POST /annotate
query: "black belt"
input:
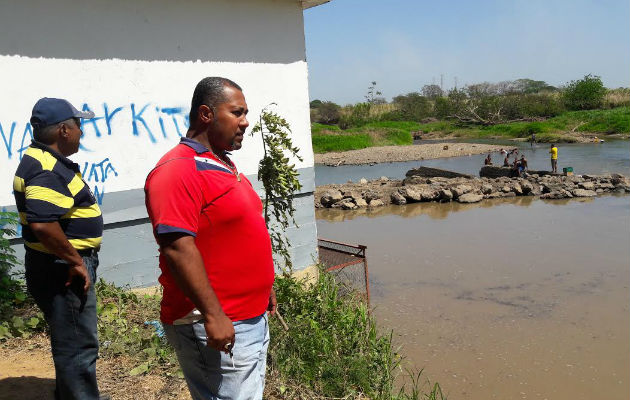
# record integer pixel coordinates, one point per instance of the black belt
(88, 252)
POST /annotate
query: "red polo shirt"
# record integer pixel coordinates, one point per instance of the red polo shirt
(193, 192)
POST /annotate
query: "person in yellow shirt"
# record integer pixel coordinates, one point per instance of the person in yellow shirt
(554, 158)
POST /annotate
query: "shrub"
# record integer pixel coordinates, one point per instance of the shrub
(326, 112)
(442, 108)
(413, 106)
(584, 94)
(357, 115)
(333, 344)
(540, 105)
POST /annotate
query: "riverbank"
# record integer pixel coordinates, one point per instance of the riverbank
(332, 349)
(414, 189)
(569, 127)
(384, 154)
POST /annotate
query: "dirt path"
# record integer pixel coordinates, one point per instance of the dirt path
(27, 372)
(403, 153)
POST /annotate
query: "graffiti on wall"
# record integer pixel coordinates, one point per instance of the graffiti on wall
(146, 123)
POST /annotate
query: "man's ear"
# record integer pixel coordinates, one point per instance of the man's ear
(205, 114)
(63, 130)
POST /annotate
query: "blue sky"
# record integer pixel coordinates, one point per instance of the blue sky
(405, 44)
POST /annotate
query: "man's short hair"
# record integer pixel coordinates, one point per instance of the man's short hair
(209, 91)
(46, 134)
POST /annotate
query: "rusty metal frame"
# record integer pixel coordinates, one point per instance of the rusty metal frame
(359, 253)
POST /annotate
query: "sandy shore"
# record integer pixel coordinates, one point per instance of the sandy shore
(403, 153)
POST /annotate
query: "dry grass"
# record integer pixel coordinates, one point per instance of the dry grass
(617, 98)
(376, 110)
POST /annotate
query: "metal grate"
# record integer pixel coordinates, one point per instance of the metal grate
(348, 263)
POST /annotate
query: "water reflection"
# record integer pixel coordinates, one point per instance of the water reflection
(434, 210)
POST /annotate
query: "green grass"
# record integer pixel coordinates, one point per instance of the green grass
(323, 143)
(328, 138)
(562, 128)
(321, 128)
(616, 120)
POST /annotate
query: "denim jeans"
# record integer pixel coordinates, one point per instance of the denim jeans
(209, 373)
(71, 316)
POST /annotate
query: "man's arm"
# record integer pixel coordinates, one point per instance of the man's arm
(186, 265)
(51, 235)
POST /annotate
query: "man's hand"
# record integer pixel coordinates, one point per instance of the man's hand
(186, 265)
(273, 303)
(52, 237)
(79, 271)
(220, 332)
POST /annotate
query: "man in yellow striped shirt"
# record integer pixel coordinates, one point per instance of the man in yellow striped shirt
(62, 227)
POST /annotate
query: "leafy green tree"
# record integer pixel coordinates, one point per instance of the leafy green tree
(315, 103)
(413, 106)
(441, 107)
(279, 179)
(584, 94)
(432, 91)
(529, 86)
(327, 113)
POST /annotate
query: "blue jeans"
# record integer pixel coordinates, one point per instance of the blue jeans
(71, 316)
(209, 373)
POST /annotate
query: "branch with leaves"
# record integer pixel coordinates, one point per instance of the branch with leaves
(279, 178)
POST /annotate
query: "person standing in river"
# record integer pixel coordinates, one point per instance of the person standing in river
(554, 158)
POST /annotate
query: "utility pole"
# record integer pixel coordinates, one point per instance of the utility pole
(441, 81)
(455, 83)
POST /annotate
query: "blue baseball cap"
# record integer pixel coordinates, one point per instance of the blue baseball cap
(48, 111)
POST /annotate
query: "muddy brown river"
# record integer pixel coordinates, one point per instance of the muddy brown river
(505, 299)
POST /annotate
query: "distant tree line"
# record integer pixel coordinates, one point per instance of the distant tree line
(480, 104)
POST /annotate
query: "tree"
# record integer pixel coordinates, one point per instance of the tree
(584, 94)
(372, 95)
(279, 179)
(413, 106)
(327, 113)
(315, 103)
(529, 86)
(432, 91)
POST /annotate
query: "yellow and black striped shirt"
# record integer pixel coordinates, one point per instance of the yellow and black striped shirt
(48, 187)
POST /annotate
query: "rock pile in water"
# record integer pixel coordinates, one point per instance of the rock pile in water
(415, 189)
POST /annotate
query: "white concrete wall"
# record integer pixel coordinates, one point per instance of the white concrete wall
(135, 64)
(141, 106)
(141, 109)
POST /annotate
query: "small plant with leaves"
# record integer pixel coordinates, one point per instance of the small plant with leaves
(18, 314)
(127, 326)
(279, 178)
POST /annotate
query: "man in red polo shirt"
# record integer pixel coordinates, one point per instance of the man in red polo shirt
(215, 251)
